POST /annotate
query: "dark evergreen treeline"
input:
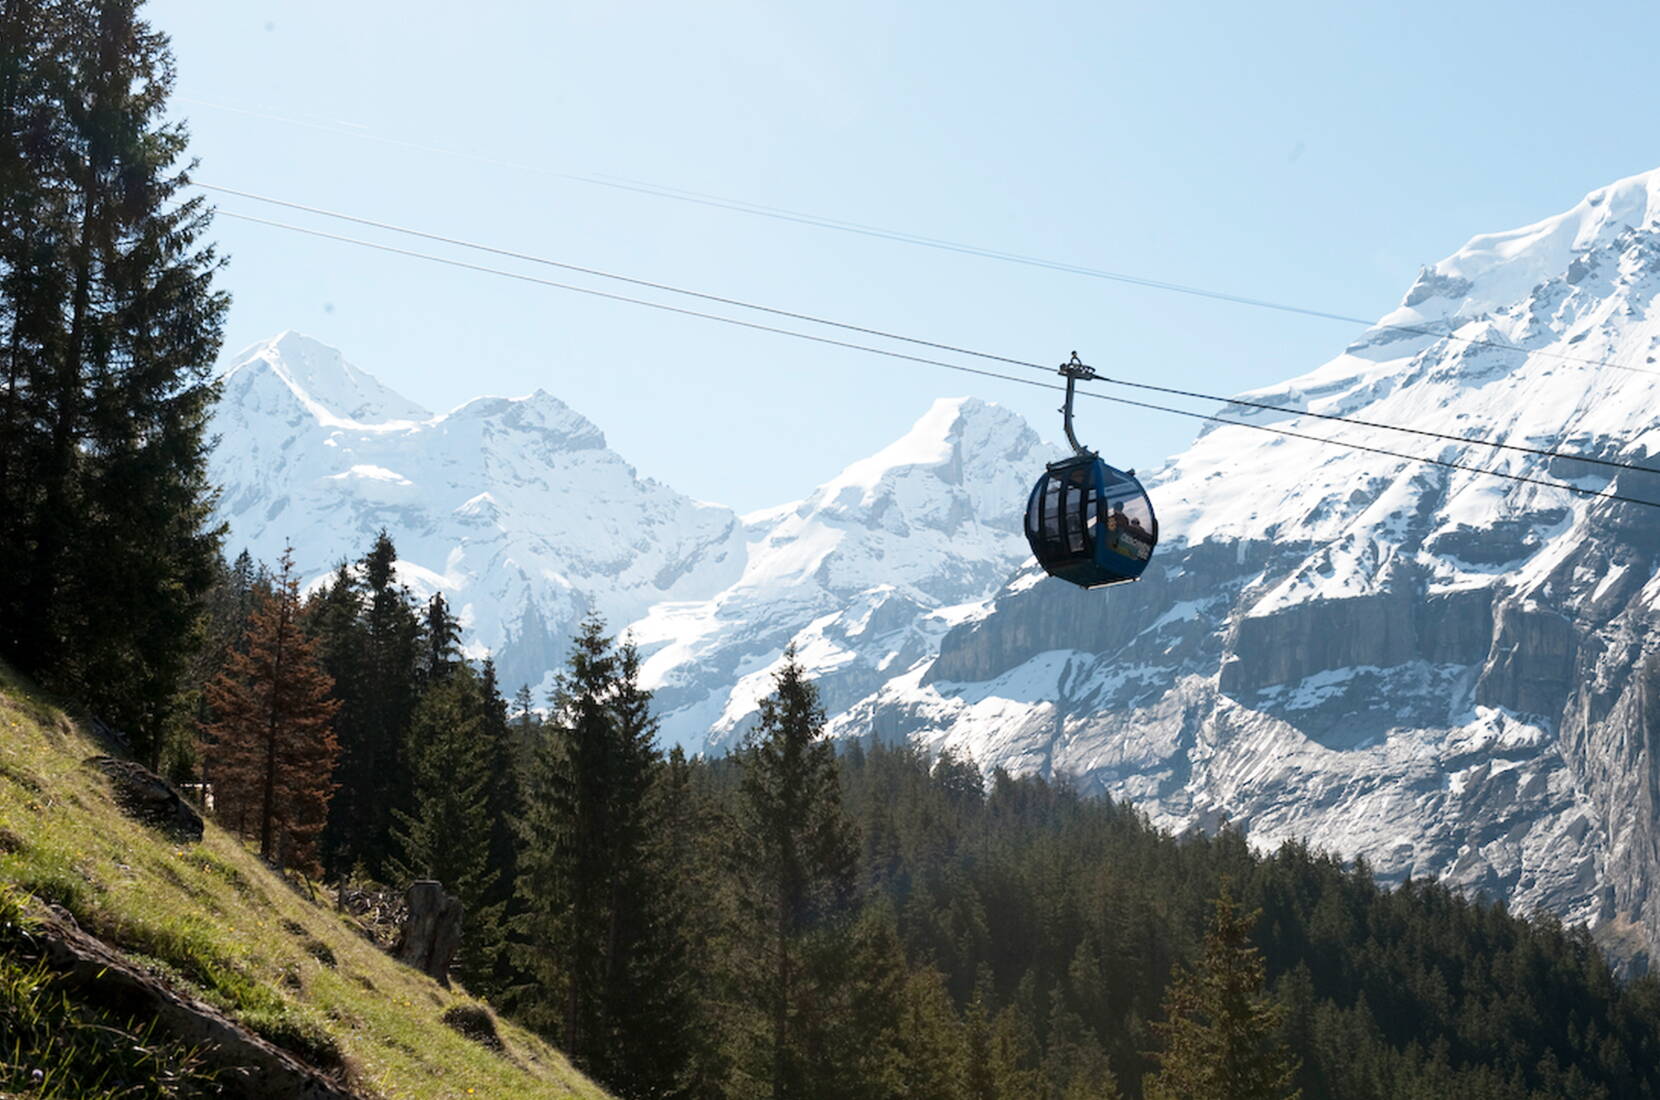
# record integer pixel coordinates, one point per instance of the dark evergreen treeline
(1021, 939)
(791, 922)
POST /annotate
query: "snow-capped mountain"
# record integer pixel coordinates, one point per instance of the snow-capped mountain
(515, 509)
(512, 507)
(863, 576)
(1452, 674)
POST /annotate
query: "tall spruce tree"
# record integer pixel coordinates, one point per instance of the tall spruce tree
(374, 772)
(873, 1040)
(335, 615)
(800, 852)
(443, 639)
(504, 804)
(565, 831)
(526, 732)
(446, 835)
(109, 327)
(692, 848)
(598, 944)
(1222, 1032)
(272, 750)
(648, 989)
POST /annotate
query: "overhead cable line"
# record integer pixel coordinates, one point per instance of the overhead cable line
(823, 222)
(1542, 452)
(890, 353)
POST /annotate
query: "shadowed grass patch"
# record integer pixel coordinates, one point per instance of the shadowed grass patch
(52, 1046)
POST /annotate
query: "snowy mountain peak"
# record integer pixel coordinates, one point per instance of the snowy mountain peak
(1497, 269)
(956, 441)
(862, 576)
(540, 413)
(513, 507)
(330, 389)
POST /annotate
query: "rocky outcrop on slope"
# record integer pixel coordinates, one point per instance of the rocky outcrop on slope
(432, 933)
(145, 796)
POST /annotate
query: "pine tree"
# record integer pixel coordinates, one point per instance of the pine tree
(875, 1012)
(243, 577)
(690, 848)
(526, 731)
(504, 804)
(934, 1045)
(446, 836)
(227, 607)
(647, 988)
(979, 1074)
(375, 766)
(272, 749)
(1013, 1055)
(600, 941)
(33, 235)
(335, 615)
(800, 852)
(443, 640)
(109, 327)
(1094, 1081)
(1221, 1031)
(563, 872)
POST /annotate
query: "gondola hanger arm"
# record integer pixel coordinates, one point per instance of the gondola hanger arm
(1072, 370)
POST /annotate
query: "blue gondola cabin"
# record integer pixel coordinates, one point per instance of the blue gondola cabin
(1091, 523)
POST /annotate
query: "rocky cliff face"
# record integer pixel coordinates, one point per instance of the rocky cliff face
(1450, 674)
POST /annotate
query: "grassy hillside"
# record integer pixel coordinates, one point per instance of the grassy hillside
(217, 922)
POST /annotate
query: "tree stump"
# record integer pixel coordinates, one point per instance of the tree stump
(432, 932)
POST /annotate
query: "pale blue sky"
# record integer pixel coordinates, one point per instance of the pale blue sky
(1312, 153)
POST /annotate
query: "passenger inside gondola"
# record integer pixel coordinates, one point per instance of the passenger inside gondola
(1126, 535)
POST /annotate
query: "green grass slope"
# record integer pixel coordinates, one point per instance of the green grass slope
(215, 921)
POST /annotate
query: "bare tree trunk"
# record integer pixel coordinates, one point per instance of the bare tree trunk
(781, 1005)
